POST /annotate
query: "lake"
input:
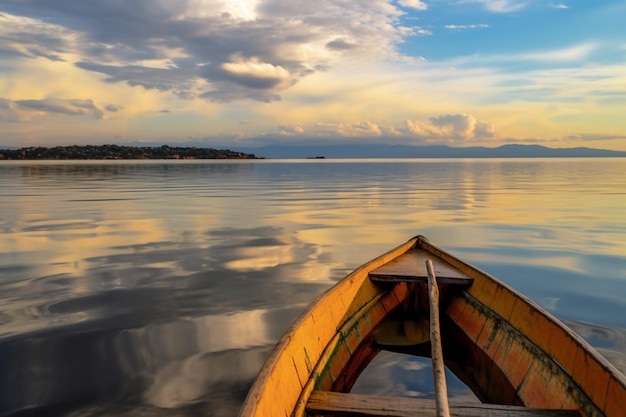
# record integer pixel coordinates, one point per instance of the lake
(132, 288)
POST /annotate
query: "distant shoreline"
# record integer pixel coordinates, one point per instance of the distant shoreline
(320, 152)
(118, 152)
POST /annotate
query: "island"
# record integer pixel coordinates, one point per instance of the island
(119, 152)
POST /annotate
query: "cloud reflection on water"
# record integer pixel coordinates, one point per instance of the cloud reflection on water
(158, 288)
(166, 319)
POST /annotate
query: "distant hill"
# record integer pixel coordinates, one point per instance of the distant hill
(434, 151)
(197, 151)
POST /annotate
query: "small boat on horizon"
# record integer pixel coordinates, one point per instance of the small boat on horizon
(418, 299)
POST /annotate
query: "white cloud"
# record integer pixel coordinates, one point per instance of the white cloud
(187, 47)
(362, 129)
(448, 128)
(560, 6)
(235, 9)
(453, 127)
(568, 54)
(477, 26)
(330, 61)
(484, 130)
(413, 4)
(500, 6)
(294, 130)
(31, 38)
(421, 129)
(456, 125)
(573, 53)
(256, 74)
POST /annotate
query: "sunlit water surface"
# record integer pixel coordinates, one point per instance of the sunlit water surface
(158, 288)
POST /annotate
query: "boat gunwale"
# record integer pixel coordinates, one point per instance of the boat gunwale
(481, 279)
(257, 390)
(567, 364)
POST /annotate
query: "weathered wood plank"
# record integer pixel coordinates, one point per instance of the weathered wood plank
(298, 352)
(581, 364)
(538, 360)
(411, 267)
(323, 403)
(439, 374)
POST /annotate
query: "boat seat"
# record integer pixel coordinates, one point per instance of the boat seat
(411, 267)
(324, 403)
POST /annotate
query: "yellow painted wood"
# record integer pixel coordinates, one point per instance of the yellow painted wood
(547, 364)
(553, 338)
(349, 336)
(615, 399)
(411, 266)
(301, 348)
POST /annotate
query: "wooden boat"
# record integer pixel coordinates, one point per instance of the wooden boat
(514, 356)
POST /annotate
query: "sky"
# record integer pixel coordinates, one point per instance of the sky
(249, 73)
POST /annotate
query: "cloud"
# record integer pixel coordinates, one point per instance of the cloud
(573, 53)
(484, 130)
(560, 6)
(587, 137)
(608, 96)
(339, 63)
(361, 129)
(115, 108)
(8, 112)
(340, 45)
(453, 127)
(214, 49)
(448, 128)
(22, 110)
(500, 6)
(462, 126)
(285, 130)
(255, 74)
(459, 27)
(73, 107)
(413, 4)
(180, 82)
(31, 38)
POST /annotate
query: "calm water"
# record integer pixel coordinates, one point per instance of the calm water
(158, 288)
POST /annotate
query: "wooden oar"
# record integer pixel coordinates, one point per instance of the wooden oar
(441, 390)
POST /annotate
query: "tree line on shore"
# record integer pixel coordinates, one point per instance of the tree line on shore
(120, 152)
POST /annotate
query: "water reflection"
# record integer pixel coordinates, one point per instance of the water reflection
(400, 375)
(163, 323)
(158, 288)
(609, 341)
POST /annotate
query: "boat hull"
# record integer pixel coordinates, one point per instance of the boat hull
(504, 347)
